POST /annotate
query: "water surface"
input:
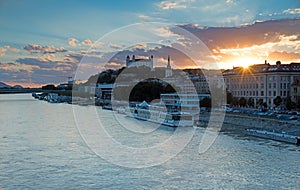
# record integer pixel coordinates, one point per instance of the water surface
(40, 148)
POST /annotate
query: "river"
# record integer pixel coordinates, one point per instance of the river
(41, 148)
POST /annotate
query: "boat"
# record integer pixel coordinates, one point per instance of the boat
(157, 114)
(283, 137)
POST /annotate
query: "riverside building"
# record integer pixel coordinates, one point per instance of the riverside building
(262, 81)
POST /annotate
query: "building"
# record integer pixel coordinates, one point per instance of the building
(181, 102)
(104, 92)
(148, 62)
(295, 90)
(262, 82)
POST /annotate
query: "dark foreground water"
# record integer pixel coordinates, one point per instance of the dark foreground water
(40, 148)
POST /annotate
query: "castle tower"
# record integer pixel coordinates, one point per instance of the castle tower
(127, 60)
(168, 69)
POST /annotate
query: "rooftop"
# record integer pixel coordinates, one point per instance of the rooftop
(264, 68)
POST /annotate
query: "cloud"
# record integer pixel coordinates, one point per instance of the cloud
(87, 42)
(115, 46)
(72, 42)
(165, 32)
(292, 11)
(18, 67)
(113, 65)
(4, 49)
(286, 43)
(239, 37)
(140, 46)
(44, 69)
(34, 48)
(166, 5)
(145, 17)
(47, 57)
(11, 49)
(285, 56)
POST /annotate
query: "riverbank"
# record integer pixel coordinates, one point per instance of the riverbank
(238, 123)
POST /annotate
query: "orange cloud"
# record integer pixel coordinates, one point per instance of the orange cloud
(72, 42)
(4, 49)
(87, 42)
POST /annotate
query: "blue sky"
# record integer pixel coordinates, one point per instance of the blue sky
(54, 23)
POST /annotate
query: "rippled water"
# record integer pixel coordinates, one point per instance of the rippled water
(40, 148)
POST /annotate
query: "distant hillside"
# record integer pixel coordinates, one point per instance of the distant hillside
(18, 86)
(3, 85)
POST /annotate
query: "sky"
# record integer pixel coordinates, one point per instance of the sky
(43, 42)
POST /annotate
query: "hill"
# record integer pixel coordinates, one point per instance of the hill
(3, 85)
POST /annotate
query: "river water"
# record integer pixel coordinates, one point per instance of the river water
(41, 148)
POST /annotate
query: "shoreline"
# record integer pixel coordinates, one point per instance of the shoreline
(238, 123)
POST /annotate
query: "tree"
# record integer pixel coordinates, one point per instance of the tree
(264, 104)
(277, 101)
(290, 104)
(250, 102)
(229, 98)
(235, 101)
(49, 87)
(242, 101)
(205, 102)
(298, 103)
(260, 102)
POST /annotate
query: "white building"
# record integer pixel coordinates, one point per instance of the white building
(295, 90)
(148, 62)
(262, 81)
(181, 102)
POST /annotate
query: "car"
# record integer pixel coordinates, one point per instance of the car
(293, 118)
(292, 113)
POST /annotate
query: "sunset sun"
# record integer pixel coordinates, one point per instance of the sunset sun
(245, 62)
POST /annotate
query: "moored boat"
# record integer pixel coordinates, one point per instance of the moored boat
(157, 114)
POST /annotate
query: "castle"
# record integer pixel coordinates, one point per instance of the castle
(148, 62)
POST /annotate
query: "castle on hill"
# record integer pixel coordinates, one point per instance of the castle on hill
(148, 62)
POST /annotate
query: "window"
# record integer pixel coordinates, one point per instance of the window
(262, 93)
(270, 85)
(274, 85)
(274, 93)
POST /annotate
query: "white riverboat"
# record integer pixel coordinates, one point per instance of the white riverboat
(157, 114)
